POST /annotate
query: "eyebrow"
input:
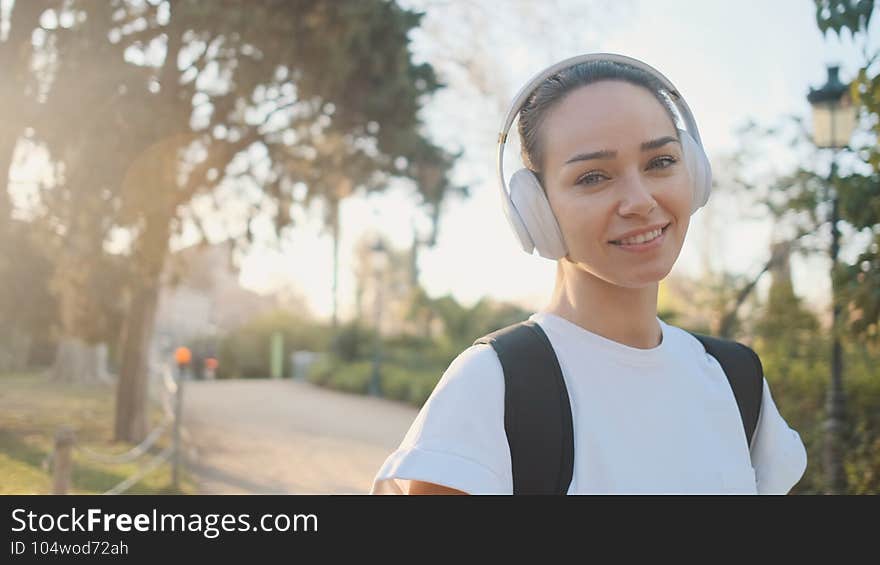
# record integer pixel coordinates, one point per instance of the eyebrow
(608, 154)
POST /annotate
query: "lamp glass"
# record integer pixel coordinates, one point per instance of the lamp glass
(833, 123)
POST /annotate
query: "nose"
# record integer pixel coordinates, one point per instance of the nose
(636, 198)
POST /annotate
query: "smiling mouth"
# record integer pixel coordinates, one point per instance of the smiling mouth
(662, 231)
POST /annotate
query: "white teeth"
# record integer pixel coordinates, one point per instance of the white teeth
(641, 238)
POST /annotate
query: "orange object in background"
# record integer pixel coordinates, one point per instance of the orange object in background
(211, 363)
(182, 356)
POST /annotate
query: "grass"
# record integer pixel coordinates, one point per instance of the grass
(33, 408)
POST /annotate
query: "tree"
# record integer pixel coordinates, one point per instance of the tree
(859, 192)
(262, 96)
(784, 323)
(92, 95)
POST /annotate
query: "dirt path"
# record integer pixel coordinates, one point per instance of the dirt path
(285, 437)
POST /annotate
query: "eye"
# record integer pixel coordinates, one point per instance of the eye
(662, 162)
(591, 178)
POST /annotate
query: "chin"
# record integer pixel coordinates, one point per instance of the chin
(645, 279)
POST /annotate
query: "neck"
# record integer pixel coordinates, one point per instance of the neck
(624, 315)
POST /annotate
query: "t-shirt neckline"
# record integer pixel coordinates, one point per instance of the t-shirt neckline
(620, 351)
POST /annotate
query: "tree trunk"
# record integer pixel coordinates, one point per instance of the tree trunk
(132, 419)
(80, 362)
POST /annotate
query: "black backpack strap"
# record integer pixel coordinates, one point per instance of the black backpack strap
(537, 412)
(745, 374)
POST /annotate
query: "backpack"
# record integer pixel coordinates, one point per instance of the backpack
(537, 411)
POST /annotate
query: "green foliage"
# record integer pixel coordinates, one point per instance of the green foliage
(352, 341)
(799, 380)
(352, 377)
(409, 384)
(795, 354)
(332, 372)
(322, 370)
(411, 365)
(837, 15)
(462, 325)
(862, 450)
(245, 352)
(860, 193)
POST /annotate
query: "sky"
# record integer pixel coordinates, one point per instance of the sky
(732, 61)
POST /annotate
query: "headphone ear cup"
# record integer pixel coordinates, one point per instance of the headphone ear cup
(534, 210)
(517, 224)
(699, 169)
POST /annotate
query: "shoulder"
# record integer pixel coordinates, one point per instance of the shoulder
(475, 366)
(472, 387)
(457, 440)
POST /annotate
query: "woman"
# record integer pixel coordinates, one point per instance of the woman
(610, 184)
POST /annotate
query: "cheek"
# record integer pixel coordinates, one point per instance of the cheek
(677, 201)
(583, 219)
(676, 196)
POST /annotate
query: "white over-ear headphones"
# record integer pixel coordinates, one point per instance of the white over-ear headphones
(526, 206)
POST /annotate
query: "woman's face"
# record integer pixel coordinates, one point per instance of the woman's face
(613, 165)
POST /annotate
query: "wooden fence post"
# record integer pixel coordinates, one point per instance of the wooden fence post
(62, 460)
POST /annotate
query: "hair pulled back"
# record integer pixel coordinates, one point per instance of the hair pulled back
(551, 92)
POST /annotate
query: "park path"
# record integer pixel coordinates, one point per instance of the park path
(287, 437)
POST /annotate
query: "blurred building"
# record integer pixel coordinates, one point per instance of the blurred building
(201, 297)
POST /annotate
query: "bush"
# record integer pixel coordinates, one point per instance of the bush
(245, 353)
(408, 384)
(396, 382)
(799, 384)
(419, 354)
(322, 369)
(352, 377)
(353, 342)
(332, 372)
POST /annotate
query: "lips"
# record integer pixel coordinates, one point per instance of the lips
(662, 231)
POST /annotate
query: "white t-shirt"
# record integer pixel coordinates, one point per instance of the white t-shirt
(646, 421)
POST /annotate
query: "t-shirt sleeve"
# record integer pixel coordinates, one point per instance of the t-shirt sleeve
(457, 439)
(778, 453)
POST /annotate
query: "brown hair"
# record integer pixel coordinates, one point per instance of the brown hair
(551, 92)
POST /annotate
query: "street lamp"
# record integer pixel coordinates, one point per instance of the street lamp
(834, 116)
(378, 259)
(834, 119)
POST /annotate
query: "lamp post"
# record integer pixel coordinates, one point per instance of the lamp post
(833, 123)
(378, 256)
